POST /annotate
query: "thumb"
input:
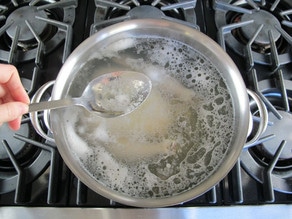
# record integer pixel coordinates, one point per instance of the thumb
(12, 110)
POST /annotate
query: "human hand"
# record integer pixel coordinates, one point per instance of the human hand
(13, 97)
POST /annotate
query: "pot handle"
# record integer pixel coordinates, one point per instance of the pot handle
(263, 122)
(40, 92)
(34, 117)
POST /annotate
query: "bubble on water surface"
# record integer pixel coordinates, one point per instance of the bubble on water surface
(175, 140)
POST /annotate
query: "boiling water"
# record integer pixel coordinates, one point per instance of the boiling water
(174, 140)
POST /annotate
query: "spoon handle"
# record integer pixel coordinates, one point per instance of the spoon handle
(54, 104)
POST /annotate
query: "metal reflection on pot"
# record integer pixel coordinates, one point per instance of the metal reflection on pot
(181, 141)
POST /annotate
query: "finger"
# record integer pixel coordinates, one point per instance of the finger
(15, 124)
(12, 111)
(7, 97)
(2, 91)
(9, 78)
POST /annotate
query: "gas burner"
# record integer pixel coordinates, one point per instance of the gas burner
(261, 17)
(270, 161)
(145, 11)
(279, 128)
(20, 161)
(32, 28)
(110, 12)
(20, 18)
(265, 27)
(18, 148)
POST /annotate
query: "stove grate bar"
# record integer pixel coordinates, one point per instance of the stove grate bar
(250, 60)
(14, 2)
(268, 104)
(253, 4)
(61, 4)
(224, 30)
(274, 53)
(14, 43)
(184, 5)
(40, 48)
(268, 191)
(260, 141)
(283, 90)
(236, 185)
(275, 5)
(3, 8)
(223, 6)
(96, 26)
(81, 196)
(53, 176)
(67, 28)
(112, 4)
(212, 195)
(20, 192)
(286, 36)
(33, 82)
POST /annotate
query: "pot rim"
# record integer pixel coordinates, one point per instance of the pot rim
(232, 78)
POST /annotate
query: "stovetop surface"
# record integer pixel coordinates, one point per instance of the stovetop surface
(32, 173)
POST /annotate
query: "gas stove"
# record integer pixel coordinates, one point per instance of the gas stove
(37, 36)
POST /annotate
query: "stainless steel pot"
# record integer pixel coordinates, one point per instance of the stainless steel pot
(209, 134)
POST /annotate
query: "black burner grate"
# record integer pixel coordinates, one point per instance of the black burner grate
(244, 27)
(261, 31)
(268, 73)
(32, 29)
(110, 12)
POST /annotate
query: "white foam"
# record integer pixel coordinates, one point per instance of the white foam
(180, 121)
(112, 49)
(78, 146)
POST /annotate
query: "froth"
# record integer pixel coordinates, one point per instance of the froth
(79, 147)
(175, 140)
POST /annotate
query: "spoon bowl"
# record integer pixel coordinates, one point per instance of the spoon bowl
(109, 95)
